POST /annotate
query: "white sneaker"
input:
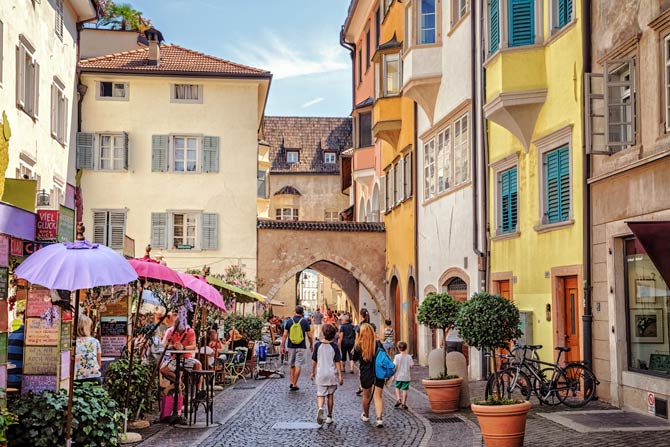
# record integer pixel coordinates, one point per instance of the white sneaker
(364, 418)
(319, 416)
(329, 420)
(380, 422)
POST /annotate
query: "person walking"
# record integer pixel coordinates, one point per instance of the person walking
(317, 321)
(347, 341)
(88, 354)
(365, 319)
(365, 351)
(296, 331)
(403, 362)
(389, 345)
(326, 372)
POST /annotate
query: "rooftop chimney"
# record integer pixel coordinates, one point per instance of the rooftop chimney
(155, 38)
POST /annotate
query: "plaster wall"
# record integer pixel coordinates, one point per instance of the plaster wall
(102, 42)
(320, 192)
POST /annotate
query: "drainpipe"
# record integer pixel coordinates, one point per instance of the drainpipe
(587, 317)
(416, 217)
(351, 48)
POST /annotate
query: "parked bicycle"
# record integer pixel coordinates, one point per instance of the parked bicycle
(573, 385)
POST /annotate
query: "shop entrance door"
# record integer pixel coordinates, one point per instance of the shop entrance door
(571, 318)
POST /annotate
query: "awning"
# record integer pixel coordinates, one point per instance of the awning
(655, 238)
(240, 295)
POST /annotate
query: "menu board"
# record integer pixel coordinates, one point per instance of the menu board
(40, 359)
(4, 251)
(112, 326)
(65, 336)
(39, 300)
(37, 384)
(66, 225)
(112, 346)
(64, 364)
(38, 332)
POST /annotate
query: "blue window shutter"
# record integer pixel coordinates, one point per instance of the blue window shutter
(521, 23)
(564, 179)
(557, 185)
(508, 201)
(564, 13)
(494, 26)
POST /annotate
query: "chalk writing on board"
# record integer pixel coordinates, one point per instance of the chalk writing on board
(112, 346)
(37, 384)
(40, 359)
(38, 332)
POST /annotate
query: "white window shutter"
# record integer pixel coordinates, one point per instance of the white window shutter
(36, 86)
(20, 74)
(55, 107)
(100, 227)
(159, 228)
(125, 151)
(408, 176)
(159, 153)
(210, 231)
(117, 229)
(210, 154)
(85, 143)
(382, 193)
(63, 121)
(401, 180)
(390, 195)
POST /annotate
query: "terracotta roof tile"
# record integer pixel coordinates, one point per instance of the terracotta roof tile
(356, 227)
(174, 59)
(312, 137)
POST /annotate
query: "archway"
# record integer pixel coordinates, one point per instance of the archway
(375, 203)
(395, 305)
(368, 212)
(412, 305)
(361, 210)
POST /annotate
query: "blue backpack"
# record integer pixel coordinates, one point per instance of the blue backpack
(384, 367)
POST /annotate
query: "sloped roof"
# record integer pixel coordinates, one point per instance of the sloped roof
(311, 136)
(288, 190)
(174, 59)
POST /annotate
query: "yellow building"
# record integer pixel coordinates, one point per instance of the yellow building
(393, 128)
(534, 109)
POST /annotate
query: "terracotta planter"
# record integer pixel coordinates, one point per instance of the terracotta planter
(502, 425)
(443, 395)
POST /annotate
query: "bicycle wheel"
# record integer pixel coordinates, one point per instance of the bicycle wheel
(551, 390)
(580, 385)
(513, 385)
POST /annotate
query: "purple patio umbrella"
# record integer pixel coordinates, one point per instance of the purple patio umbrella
(74, 266)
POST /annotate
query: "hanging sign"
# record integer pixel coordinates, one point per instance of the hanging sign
(40, 359)
(39, 333)
(66, 225)
(47, 225)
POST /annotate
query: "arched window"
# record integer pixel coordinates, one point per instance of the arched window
(457, 288)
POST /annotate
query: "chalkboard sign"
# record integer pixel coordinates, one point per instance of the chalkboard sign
(65, 336)
(112, 346)
(39, 333)
(40, 359)
(113, 327)
(37, 384)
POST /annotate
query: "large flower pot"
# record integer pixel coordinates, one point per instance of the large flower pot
(502, 425)
(443, 395)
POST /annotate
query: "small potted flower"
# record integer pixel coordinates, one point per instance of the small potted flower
(7, 418)
(489, 322)
(438, 311)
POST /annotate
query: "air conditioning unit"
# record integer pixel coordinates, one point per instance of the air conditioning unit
(43, 198)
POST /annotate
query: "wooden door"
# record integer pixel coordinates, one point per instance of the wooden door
(503, 289)
(398, 312)
(571, 318)
(414, 330)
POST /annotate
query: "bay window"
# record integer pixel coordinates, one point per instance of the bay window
(427, 26)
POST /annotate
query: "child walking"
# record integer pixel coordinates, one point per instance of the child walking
(326, 371)
(403, 362)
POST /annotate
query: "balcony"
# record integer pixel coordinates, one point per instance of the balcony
(387, 119)
(422, 75)
(514, 95)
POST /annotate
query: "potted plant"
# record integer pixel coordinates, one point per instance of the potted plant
(438, 311)
(7, 418)
(488, 322)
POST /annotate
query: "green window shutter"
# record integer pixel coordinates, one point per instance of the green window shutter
(210, 154)
(521, 23)
(159, 153)
(117, 229)
(557, 185)
(508, 201)
(100, 227)
(159, 227)
(210, 231)
(494, 26)
(85, 144)
(564, 183)
(564, 13)
(125, 151)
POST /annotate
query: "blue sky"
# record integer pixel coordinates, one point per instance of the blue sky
(297, 40)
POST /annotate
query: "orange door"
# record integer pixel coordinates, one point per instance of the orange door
(503, 289)
(571, 318)
(398, 306)
(415, 325)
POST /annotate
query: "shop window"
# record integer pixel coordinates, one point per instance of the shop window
(647, 311)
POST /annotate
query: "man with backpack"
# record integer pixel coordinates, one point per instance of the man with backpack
(296, 330)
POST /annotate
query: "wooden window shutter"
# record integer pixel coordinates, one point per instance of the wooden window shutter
(210, 231)
(85, 144)
(100, 227)
(125, 150)
(159, 153)
(494, 26)
(210, 154)
(521, 23)
(382, 193)
(159, 227)
(401, 180)
(117, 229)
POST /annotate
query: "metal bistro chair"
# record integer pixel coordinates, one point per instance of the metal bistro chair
(237, 365)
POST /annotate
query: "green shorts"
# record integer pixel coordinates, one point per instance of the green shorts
(400, 385)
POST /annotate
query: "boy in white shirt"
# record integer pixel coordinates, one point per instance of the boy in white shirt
(403, 362)
(326, 368)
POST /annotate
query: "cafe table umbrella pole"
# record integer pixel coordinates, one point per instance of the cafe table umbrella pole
(73, 353)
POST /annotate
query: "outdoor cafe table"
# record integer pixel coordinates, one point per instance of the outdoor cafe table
(179, 355)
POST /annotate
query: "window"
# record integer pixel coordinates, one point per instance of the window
(183, 231)
(378, 27)
(557, 185)
(185, 154)
(521, 22)
(494, 25)
(113, 90)
(408, 176)
(508, 203)
(57, 197)
(429, 169)
(286, 214)
(391, 74)
(443, 160)
(561, 13)
(365, 129)
(367, 50)
(112, 153)
(461, 151)
(666, 71)
(59, 112)
(27, 79)
(59, 19)
(620, 102)
(360, 66)
(387, 6)
(458, 9)
(292, 157)
(329, 157)
(262, 185)
(109, 228)
(427, 25)
(188, 93)
(390, 189)
(331, 216)
(647, 312)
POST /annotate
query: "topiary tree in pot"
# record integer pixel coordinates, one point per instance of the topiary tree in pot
(439, 311)
(489, 322)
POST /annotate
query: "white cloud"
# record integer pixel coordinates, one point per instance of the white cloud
(313, 102)
(286, 60)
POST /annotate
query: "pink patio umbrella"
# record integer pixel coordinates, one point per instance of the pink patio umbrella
(151, 270)
(202, 288)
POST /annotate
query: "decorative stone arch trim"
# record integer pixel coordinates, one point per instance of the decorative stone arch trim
(454, 272)
(428, 290)
(394, 273)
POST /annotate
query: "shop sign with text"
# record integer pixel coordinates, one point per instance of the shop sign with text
(47, 225)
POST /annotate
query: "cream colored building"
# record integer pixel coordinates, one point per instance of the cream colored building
(168, 148)
(38, 60)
